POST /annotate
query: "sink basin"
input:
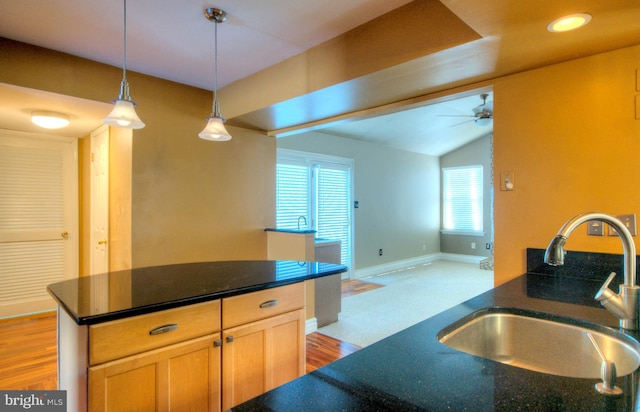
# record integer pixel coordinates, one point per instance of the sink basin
(542, 342)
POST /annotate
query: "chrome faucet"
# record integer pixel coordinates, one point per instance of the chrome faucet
(623, 305)
(305, 221)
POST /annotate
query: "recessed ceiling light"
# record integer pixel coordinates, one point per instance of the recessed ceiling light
(570, 22)
(50, 120)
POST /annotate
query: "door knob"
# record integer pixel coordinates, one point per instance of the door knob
(102, 242)
(64, 235)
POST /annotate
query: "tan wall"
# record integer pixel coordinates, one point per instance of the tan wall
(569, 133)
(191, 199)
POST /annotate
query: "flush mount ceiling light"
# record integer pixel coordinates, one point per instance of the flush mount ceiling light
(124, 112)
(570, 22)
(50, 120)
(215, 129)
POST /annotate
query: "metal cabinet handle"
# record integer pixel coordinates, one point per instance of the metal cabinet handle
(163, 329)
(268, 304)
(229, 339)
(217, 343)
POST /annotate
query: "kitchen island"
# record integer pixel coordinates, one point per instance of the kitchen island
(199, 336)
(412, 370)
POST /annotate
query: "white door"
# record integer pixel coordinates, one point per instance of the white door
(99, 237)
(38, 218)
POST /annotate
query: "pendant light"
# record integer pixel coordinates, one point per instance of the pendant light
(124, 112)
(215, 129)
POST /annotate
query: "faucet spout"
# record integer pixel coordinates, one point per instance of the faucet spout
(555, 251)
(303, 218)
(623, 305)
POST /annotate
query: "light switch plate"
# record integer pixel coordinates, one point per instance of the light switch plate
(507, 181)
(629, 221)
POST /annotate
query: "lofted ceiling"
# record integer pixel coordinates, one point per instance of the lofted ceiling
(172, 40)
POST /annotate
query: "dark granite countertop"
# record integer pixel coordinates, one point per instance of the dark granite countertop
(120, 294)
(412, 370)
(299, 231)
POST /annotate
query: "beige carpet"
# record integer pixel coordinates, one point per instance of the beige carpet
(410, 296)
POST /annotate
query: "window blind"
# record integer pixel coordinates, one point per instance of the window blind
(317, 187)
(332, 210)
(292, 195)
(462, 200)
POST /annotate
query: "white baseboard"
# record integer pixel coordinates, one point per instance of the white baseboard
(310, 326)
(402, 264)
(391, 266)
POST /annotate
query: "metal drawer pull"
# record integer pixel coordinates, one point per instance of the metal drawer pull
(163, 329)
(268, 304)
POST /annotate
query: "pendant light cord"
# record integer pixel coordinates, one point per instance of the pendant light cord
(215, 62)
(216, 105)
(124, 45)
(124, 84)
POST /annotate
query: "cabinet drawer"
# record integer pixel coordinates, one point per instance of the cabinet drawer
(250, 307)
(124, 337)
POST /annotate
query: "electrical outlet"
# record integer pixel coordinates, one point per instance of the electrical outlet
(595, 228)
(473, 245)
(379, 252)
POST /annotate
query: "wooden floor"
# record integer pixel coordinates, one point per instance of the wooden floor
(355, 286)
(28, 347)
(28, 353)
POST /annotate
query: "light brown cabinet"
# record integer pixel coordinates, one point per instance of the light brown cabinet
(181, 377)
(157, 362)
(261, 355)
(263, 342)
(199, 357)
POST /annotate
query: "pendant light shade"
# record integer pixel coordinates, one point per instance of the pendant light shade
(215, 130)
(124, 115)
(124, 112)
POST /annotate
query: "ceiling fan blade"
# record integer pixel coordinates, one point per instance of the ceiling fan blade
(458, 124)
(455, 115)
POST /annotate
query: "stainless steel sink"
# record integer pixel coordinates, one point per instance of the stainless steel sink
(542, 342)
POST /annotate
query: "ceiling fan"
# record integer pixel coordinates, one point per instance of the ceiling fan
(482, 114)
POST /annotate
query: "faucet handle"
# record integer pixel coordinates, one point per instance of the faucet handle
(612, 301)
(609, 279)
(604, 292)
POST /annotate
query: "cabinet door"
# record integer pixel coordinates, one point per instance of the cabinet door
(261, 355)
(180, 377)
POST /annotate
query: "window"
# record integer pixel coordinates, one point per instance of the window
(317, 187)
(462, 200)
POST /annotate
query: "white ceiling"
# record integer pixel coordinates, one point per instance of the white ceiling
(434, 129)
(171, 39)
